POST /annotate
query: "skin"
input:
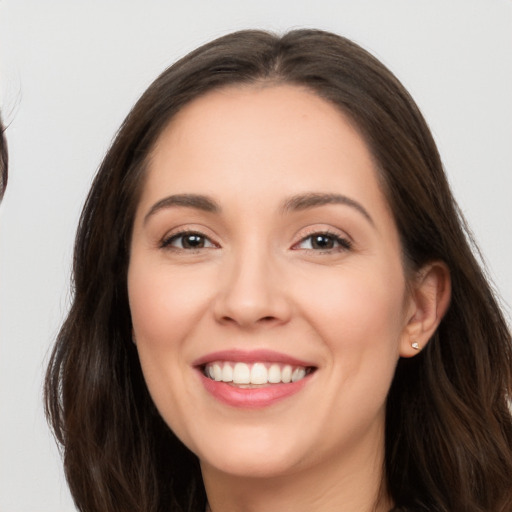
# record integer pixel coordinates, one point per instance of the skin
(259, 283)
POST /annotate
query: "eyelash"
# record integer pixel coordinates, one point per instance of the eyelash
(167, 242)
(343, 244)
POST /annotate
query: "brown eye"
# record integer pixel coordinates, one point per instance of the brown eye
(192, 241)
(324, 242)
(188, 241)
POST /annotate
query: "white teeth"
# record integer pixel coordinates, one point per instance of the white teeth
(256, 373)
(274, 374)
(298, 373)
(286, 374)
(227, 373)
(241, 374)
(259, 374)
(217, 372)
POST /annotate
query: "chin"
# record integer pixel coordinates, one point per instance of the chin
(250, 454)
(251, 466)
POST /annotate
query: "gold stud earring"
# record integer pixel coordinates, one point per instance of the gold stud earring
(415, 345)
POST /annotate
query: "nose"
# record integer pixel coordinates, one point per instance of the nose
(252, 292)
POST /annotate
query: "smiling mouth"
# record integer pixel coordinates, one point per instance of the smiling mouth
(250, 375)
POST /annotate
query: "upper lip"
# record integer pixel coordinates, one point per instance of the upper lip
(250, 356)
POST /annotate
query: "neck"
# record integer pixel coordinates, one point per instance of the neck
(355, 484)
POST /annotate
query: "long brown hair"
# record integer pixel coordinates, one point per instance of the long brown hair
(448, 425)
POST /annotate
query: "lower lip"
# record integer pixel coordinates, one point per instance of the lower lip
(251, 398)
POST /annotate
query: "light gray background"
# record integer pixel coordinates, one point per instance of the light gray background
(70, 71)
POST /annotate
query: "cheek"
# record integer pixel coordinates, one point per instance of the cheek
(359, 313)
(163, 305)
(165, 308)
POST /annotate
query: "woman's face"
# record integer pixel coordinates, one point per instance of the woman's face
(266, 284)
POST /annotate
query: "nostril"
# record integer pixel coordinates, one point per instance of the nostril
(260, 321)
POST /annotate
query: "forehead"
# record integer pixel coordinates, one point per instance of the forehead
(261, 113)
(253, 148)
(274, 130)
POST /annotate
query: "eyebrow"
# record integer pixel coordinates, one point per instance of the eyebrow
(199, 202)
(313, 200)
(295, 203)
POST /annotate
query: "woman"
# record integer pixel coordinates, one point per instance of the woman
(275, 304)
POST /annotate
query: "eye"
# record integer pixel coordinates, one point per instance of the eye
(324, 242)
(188, 240)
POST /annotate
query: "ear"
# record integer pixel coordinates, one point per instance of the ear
(428, 302)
